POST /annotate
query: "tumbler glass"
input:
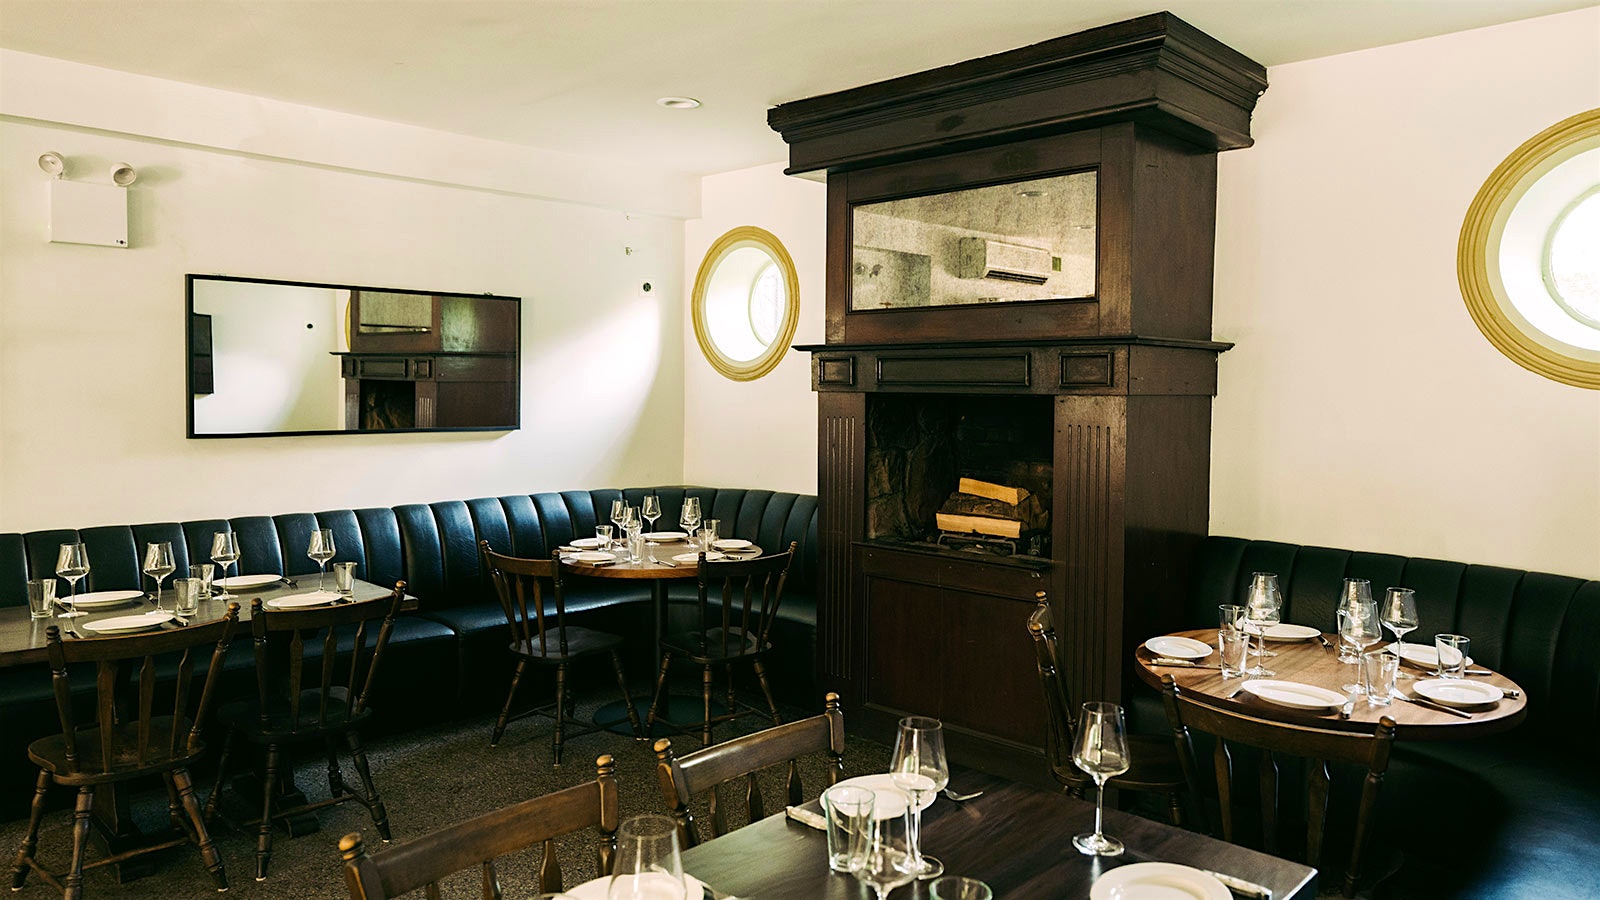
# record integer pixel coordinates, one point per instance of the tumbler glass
(1452, 650)
(41, 597)
(850, 811)
(188, 596)
(344, 579)
(1377, 676)
(203, 573)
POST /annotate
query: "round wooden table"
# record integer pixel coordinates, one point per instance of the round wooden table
(1310, 662)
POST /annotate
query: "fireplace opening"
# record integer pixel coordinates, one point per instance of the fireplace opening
(919, 449)
(387, 405)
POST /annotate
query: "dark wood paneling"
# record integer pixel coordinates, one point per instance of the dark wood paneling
(841, 458)
(1088, 368)
(476, 368)
(835, 372)
(907, 625)
(978, 370)
(1091, 446)
(1173, 203)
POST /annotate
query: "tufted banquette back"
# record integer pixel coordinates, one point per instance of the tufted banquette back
(1540, 630)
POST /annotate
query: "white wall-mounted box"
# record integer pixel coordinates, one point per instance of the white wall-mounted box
(85, 213)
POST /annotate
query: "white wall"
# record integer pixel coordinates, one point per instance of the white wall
(1361, 407)
(272, 349)
(92, 339)
(760, 433)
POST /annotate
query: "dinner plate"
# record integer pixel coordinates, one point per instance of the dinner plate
(301, 601)
(104, 598)
(664, 536)
(1424, 657)
(890, 800)
(598, 888)
(1171, 645)
(155, 618)
(1284, 632)
(1456, 692)
(587, 543)
(591, 556)
(247, 581)
(1157, 881)
(1294, 694)
(731, 544)
(713, 556)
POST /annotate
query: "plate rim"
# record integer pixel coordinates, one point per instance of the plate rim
(599, 556)
(157, 619)
(585, 543)
(276, 602)
(1273, 682)
(872, 781)
(1214, 889)
(227, 583)
(689, 882)
(665, 536)
(733, 543)
(1455, 682)
(1434, 651)
(1191, 642)
(122, 596)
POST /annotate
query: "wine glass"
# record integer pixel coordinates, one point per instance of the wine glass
(1355, 590)
(224, 552)
(651, 510)
(1101, 750)
(1262, 608)
(1400, 614)
(321, 550)
(619, 514)
(158, 564)
(918, 768)
(887, 858)
(72, 563)
(689, 516)
(1359, 629)
(648, 866)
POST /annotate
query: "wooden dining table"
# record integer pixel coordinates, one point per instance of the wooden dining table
(1311, 662)
(1015, 838)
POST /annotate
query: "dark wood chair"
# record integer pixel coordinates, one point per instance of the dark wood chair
(705, 770)
(542, 636)
(1154, 766)
(128, 739)
(1318, 747)
(317, 698)
(736, 630)
(422, 862)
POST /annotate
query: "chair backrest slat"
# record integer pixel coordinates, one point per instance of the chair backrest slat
(522, 586)
(180, 702)
(742, 624)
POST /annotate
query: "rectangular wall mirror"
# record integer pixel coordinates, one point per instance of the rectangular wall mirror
(284, 357)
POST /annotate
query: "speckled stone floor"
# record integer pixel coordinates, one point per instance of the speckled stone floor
(428, 778)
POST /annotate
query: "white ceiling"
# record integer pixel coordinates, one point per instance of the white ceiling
(582, 76)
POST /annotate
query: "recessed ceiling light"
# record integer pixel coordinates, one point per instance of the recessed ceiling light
(679, 102)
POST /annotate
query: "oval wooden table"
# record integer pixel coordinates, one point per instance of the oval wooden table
(1310, 662)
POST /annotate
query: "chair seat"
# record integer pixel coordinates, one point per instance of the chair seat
(50, 753)
(580, 642)
(245, 717)
(687, 644)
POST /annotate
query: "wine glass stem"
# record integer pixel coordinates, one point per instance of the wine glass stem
(322, 567)
(916, 836)
(1099, 805)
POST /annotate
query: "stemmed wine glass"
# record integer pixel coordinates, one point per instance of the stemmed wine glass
(887, 857)
(1400, 614)
(1358, 628)
(689, 516)
(619, 514)
(72, 563)
(651, 510)
(918, 768)
(158, 564)
(321, 550)
(1262, 608)
(224, 552)
(1355, 590)
(1101, 750)
(648, 865)
(630, 529)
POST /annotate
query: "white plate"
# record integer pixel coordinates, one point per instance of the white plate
(731, 544)
(664, 536)
(128, 624)
(104, 598)
(713, 556)
(1424, 657)
(591, 556)
(1178, 647)
(247, 581)
(891, 801)
(301, 601)
(587, 543)
(1157, 881)
(597, 889)
(1454, 692)
(1294, 694)
(1284, 632)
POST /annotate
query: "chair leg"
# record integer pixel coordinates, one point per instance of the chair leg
(80, 842)
(561, 712)
(30, 841)
(622, 682)
(505, 711)
(373, 802)
(222, 773)
(655, 700)
(1175, 808)
(264, 832)
(705, 691)
(184, 786)
(336, 785)
(766, 691)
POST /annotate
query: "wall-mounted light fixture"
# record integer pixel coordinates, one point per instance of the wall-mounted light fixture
(123, 174)
(53, 163)
(86, 213)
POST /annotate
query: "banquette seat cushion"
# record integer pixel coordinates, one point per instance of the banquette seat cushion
(448, 656)
(1492, 818)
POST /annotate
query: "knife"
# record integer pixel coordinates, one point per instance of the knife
(1432, 705)
(1241, 887)
(1348, 708)
(1164, 661)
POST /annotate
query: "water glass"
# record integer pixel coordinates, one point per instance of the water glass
(41, 597)
(1233, 643)
(1355, 591)
(635, 545)
(344, 579)
(850, 812)
(956, 887)
(1452, 650)
(708, 533)
(188, 596)
(1378, 671)
(203, 573)
(648, 865)
(602, 533)
(1230, 617)
(886, 860)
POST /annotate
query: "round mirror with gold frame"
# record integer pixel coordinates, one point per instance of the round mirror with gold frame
(746, 303)
(1529, 255)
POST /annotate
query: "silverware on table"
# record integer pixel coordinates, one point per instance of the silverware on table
(1241, 887)
(1326, 645)
(1478, 672)
(1429, 704)
(1233, 693)
(1513, 693)
(1183, 663)
(961, 798)
(1348, 707)
(668, 563)
(806, 817)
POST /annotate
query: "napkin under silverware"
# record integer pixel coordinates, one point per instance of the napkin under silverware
(806, 817)
(1240, 886)
(1187, 664)
(1432, 705)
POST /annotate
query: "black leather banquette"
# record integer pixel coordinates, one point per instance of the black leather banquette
(447, 657)
(1515, 815)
